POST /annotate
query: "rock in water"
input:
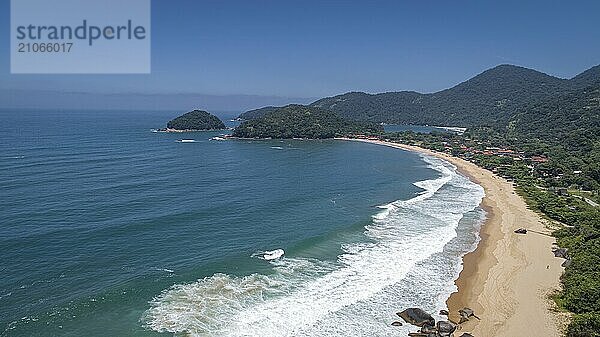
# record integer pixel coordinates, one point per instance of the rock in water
(445, 328)
(466, 334)
(428, 329)
(416, 316)
(444, 312)
(396, 323)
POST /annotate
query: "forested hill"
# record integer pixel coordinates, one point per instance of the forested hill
(587, 78)
(491, 98)
(572, 119)
(196, 120)
(300, 121)
(251, 114)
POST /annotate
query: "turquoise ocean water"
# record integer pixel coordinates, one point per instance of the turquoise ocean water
(109, 229)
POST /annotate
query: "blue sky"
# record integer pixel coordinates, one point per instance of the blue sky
(322, 48)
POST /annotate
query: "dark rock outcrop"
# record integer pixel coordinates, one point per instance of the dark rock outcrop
(417, 316)
(561, 252)
(467, 313)
(445, 328)
(428, 329)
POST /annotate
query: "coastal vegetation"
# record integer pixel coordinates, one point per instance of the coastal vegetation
(298, 121)
(196, 120)
(544, 171)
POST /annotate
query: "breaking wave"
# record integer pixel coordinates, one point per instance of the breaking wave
(405, 258)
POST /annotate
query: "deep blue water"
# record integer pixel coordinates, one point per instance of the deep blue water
(101, 217)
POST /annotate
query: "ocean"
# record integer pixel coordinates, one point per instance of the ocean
(109, 229)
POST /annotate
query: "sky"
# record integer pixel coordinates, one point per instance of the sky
(323, 48)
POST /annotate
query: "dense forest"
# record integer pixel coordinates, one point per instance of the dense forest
(566, 128)
(491, 98)
(256, 113)
(298, 121)
(196, 120)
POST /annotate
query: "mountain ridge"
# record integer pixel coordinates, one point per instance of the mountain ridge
(494, 96)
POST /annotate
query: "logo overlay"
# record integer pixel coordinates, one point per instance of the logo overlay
(80, 36)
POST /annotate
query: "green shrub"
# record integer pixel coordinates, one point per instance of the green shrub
(585, 325)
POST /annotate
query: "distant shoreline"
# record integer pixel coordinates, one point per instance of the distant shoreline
(508, 278)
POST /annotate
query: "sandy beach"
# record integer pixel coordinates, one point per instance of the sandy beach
(508, 278)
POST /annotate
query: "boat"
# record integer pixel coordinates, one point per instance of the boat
(186, 140)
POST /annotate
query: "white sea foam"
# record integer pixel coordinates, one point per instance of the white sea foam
(269, 255)
(402, 262)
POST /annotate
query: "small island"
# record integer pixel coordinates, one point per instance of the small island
(300, 121)
(196, 120)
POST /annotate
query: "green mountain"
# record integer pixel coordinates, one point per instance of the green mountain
(391, 107)
(299, 121)
(491, 98)
(587, 78)
(252, 114)
(570, 119)
(196, 120)
(488, 98)
(568, 127)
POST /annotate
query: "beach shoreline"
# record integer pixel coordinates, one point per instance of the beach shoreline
(508, 279)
